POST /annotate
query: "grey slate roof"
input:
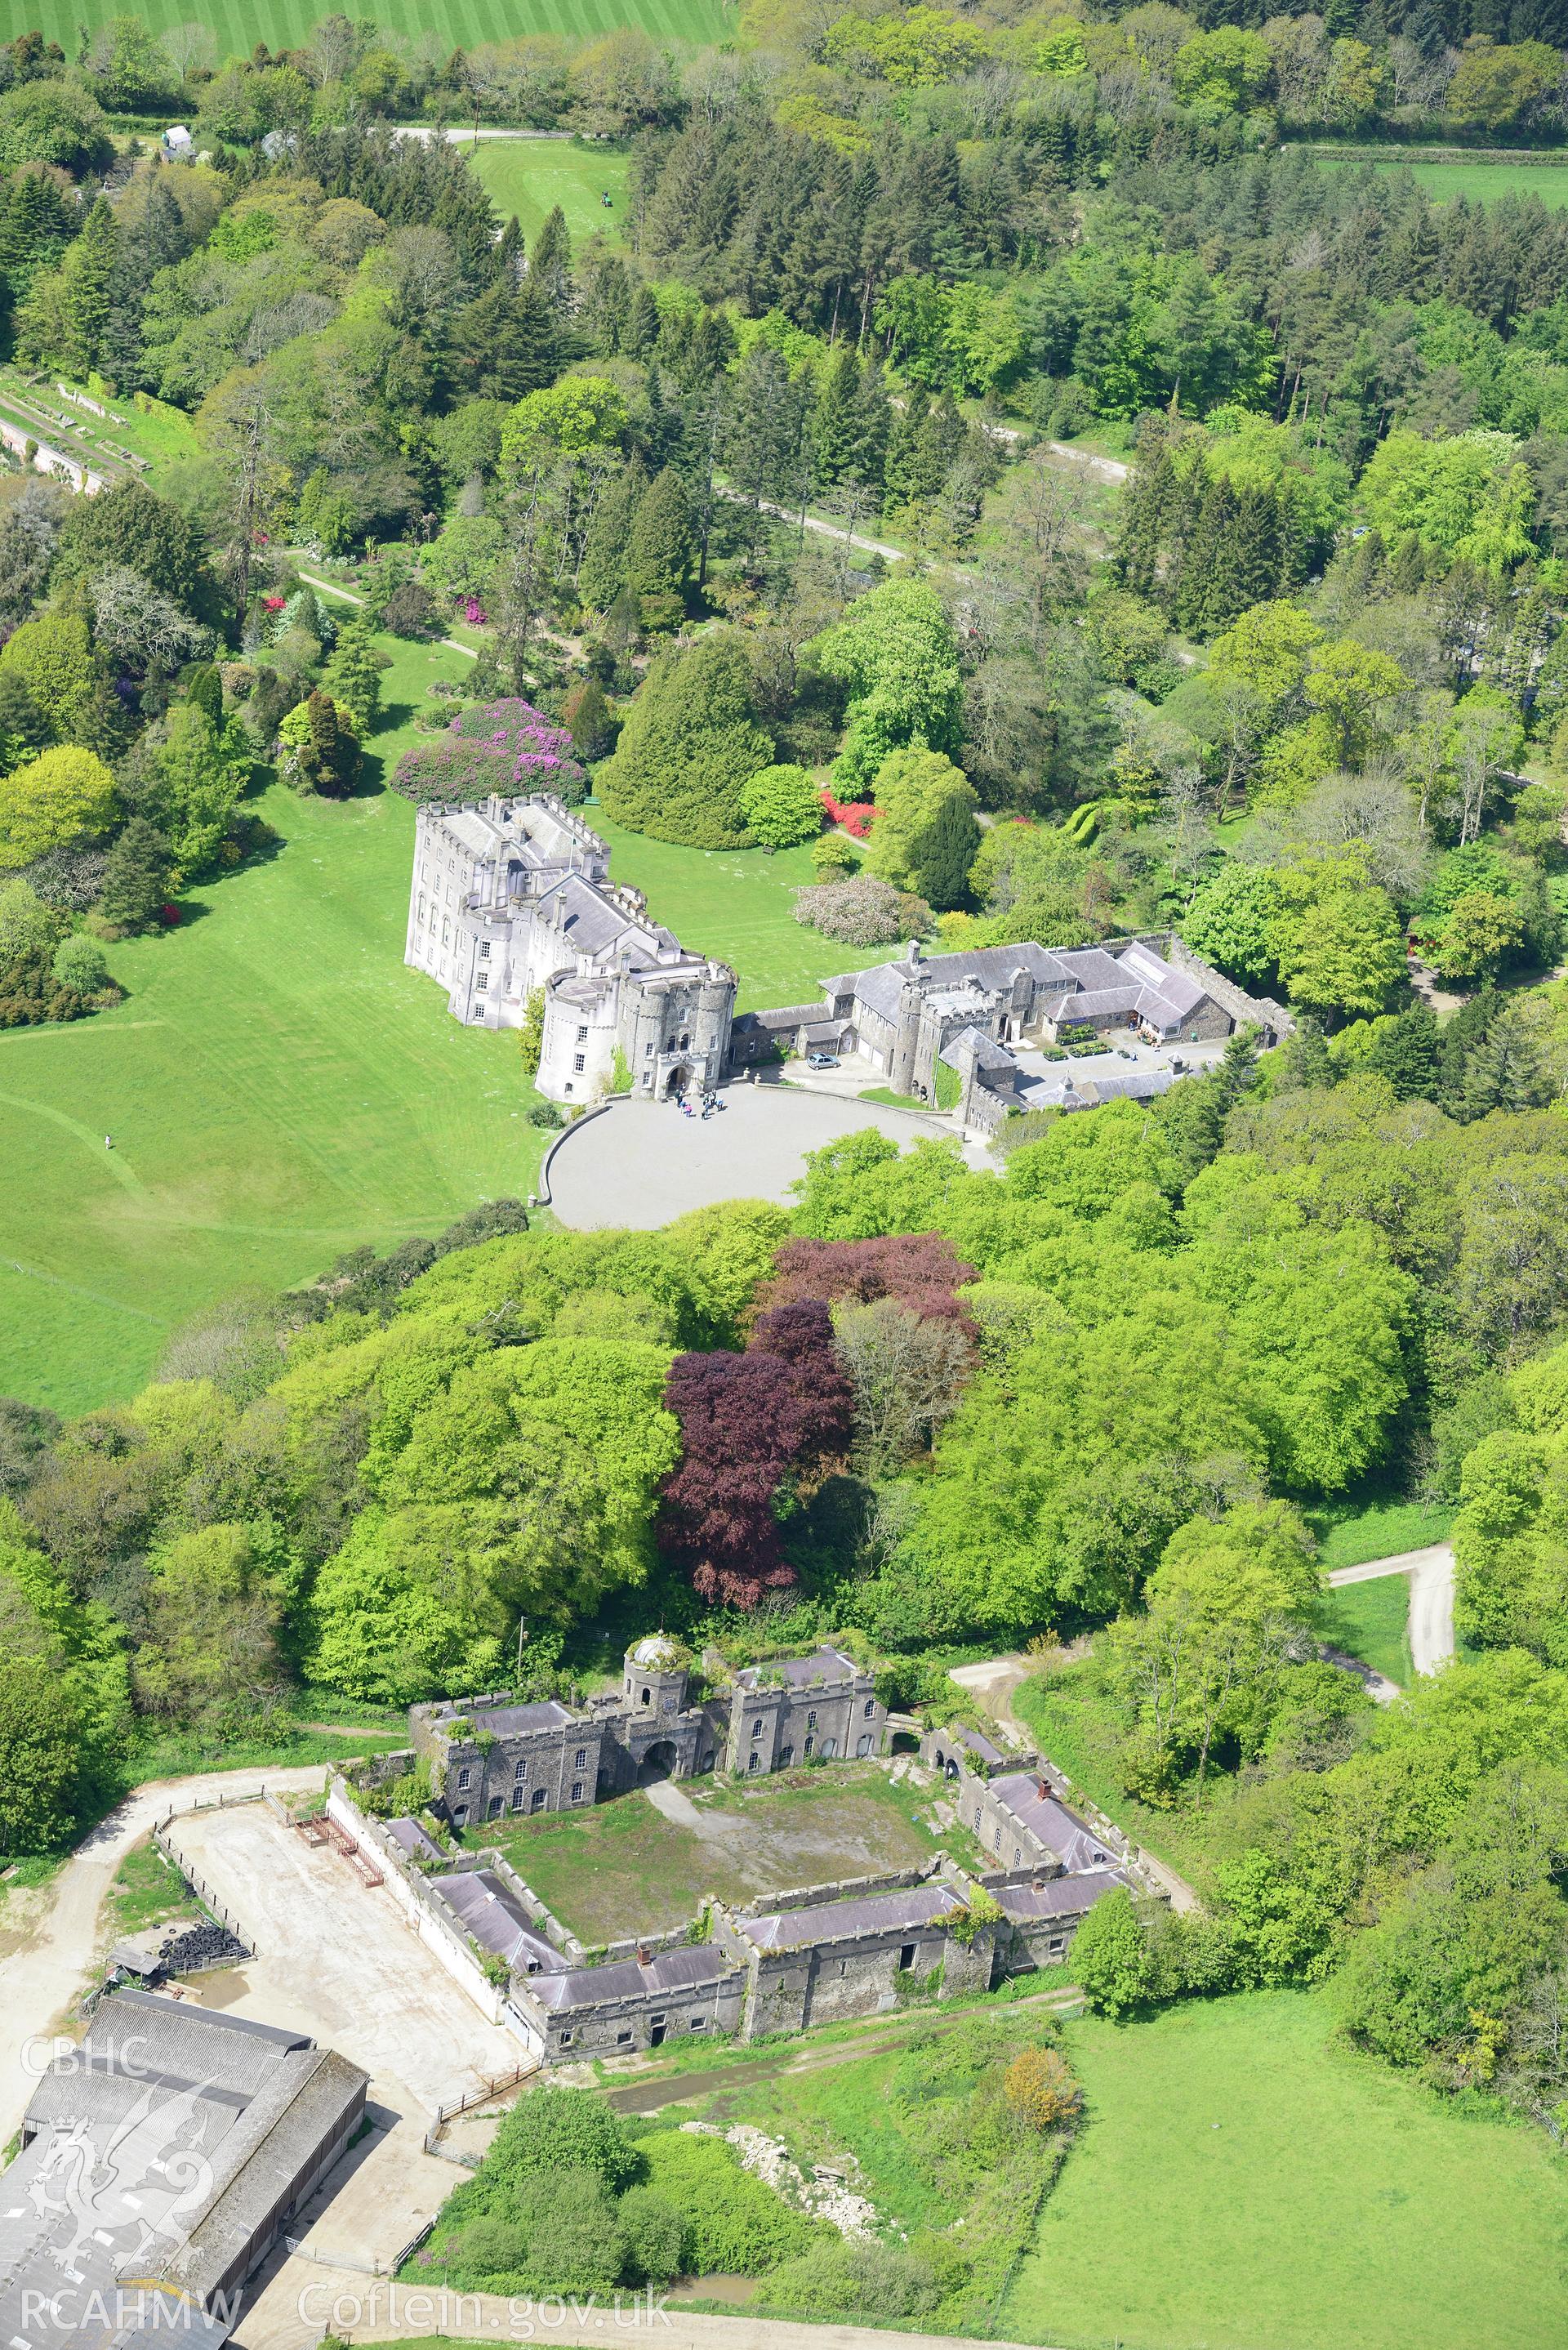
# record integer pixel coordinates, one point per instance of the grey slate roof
(507, 1720)
(412, 1840)
(988, 1054)
(1064, 1896)
(1060, 1831)
(825, 1665)
(836, 1921)
(975, 1741)
(97, 2202)
(701, 1968)
(492, 1914)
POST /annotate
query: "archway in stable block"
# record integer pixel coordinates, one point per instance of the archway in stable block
(659, 1763)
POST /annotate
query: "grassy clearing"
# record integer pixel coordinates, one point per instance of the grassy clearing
(1372, 1621)
(1248, 2185)
(623, 1868)
(279, 1087)
(149, 1891)
(738, 904)
(1480, 184)
(1354, 1533)
(527, 176)
(457, 24)
(181, 1753)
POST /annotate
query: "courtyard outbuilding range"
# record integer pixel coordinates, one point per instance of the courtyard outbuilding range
(159, 2162)
(785, 1961)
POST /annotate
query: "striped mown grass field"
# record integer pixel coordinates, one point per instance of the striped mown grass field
(456, 24)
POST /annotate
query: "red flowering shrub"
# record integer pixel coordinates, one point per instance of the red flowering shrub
(854, 816)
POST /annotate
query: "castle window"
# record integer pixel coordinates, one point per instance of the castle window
(519, 1797)
(484, 950)
(648, 1052)
(647, 1078)
(566, 2039)
(647, 1694)
(756, 1729)
(754, 1760)
(809, 1745)
(484, 979)
(811, 1720)
(1017, 1856)
(521, 1770)
(698, 2023)
(870, 1708)
(576, 1791)
(579, 1758)
(466, 1778)
(421, 905)
(577, 1062)
(582, 1035)
(567, 1086)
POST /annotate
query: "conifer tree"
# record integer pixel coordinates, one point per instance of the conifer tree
(550, 269)
(602, 573)
(87, 290)
(835, 424)
(353, 675)
(689, 744)
(642, 325)
(331, 758)
(136, 877)
(661, 551)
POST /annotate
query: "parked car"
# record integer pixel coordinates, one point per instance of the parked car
(822, 1060)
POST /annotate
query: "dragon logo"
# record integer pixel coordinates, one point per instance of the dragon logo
(136, 2187)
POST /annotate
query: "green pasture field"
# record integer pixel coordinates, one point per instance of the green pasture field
(622, 1867)
(455, 24)
(527, 176)
(1245, 2183)
(1482, 183)
(279, 1087)
(738, 904)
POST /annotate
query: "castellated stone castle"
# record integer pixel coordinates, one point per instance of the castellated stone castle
(513, 897)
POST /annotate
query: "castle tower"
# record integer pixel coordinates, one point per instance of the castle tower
(655, 1679)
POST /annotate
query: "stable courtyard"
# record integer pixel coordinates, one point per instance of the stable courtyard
(646, 1162)
(645, 1861)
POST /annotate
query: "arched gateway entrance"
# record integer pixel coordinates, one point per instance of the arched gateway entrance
(659, 1763)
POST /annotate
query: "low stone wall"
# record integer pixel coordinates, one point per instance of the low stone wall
(844, 1889)
(647, 1946)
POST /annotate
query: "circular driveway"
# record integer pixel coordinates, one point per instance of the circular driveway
(645, 1163)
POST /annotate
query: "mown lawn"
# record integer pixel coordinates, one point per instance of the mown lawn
(1245, 2184)
(738, 904)
(527, 176)
(456, 24)
(279, 1088)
